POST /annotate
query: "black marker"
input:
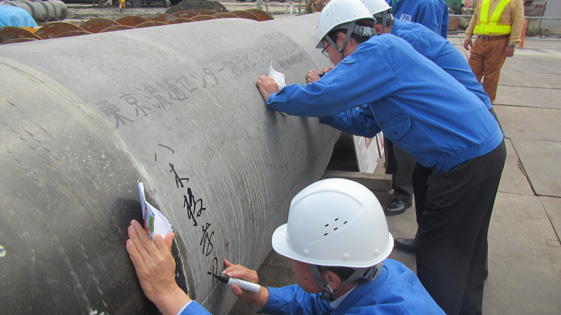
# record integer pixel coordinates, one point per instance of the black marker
(245, 285)
(321, 74)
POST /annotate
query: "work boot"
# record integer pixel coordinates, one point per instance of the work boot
(405, 244)
(397, 207)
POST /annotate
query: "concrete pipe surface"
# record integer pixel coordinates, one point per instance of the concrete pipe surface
(84, 119)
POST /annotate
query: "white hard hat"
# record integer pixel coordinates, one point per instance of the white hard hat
(338, 12)
(335, 222)
(376, 6)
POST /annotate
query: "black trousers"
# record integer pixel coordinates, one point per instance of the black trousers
(401, 166)
(453, 213)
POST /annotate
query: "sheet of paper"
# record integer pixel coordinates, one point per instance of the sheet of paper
(154, 221)
(277, 76)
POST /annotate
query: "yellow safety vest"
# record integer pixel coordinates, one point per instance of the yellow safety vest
(492, 25)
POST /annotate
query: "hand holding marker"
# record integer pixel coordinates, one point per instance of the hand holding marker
(245, 285)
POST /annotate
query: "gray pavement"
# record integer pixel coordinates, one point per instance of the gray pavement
(524, 244)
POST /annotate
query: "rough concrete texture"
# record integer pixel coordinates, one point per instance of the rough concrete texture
(524, 246)
(85, 118)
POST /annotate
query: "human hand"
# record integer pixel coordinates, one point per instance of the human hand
(241, 272)
(267, 86)
(467, 43)
(509, 51)
(312, 76)
(155, 268)
(326, 70)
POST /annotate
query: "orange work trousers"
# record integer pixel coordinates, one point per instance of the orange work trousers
(486, 60)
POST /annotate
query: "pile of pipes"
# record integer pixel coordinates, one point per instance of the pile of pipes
(10, 34)
(41, 11)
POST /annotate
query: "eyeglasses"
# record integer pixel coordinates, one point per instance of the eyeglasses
(325, 52)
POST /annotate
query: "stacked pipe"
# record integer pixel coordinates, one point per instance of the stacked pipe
(11, 34)
(41, 10)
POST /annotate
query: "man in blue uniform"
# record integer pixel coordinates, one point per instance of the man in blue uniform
(431, 117)
(338, 239)
(431, 13)
(439, 51)
(436, 49)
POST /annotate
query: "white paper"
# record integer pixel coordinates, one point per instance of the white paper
(277, 76)
(154, 221)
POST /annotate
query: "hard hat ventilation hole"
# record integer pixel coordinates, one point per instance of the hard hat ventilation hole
(335, 228)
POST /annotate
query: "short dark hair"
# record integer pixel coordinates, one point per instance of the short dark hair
(343, 272)
(359, 39)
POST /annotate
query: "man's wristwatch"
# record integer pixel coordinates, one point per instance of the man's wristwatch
(512, 45)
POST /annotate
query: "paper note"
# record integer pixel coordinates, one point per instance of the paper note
(277, 76)
(154, 221)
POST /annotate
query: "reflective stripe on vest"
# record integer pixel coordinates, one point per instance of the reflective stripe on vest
(491, 25)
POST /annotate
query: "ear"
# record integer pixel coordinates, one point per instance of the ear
(332, 279)
(378, 28)
(341, 36)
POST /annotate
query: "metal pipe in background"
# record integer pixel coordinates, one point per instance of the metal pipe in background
(83, 119)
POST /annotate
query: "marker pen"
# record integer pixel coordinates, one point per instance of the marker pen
(245, 285)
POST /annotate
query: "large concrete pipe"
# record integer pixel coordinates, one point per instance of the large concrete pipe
(84, 119)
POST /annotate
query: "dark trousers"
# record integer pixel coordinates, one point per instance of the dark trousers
(401, 166)
(453, 213)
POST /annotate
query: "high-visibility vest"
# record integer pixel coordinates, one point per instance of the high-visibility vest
(492, 25)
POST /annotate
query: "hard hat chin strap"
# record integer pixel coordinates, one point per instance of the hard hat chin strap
(328, 293)
(351, 28)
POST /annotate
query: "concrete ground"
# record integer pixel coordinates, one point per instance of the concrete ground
(524, 237)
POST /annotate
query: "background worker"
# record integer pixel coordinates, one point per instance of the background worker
(498, 25)
(436, 49)
(122, 5)
(339, 242)
(433, 14)
(432, 118)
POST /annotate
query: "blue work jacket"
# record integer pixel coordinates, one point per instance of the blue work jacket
(433, 47)
(397, 290)
(418, 106)
(442, 53)
(431, 13)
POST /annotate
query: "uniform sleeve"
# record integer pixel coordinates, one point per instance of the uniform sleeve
(357, 121)
(517, 25)
(363, 77)
(474, 20)
(293, 300)
(193, 308)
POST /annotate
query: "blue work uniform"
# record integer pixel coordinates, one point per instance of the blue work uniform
(443, 126)
(418, 106)
(396, 290)
(433, 47)
(193, 308)
(431, 13)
